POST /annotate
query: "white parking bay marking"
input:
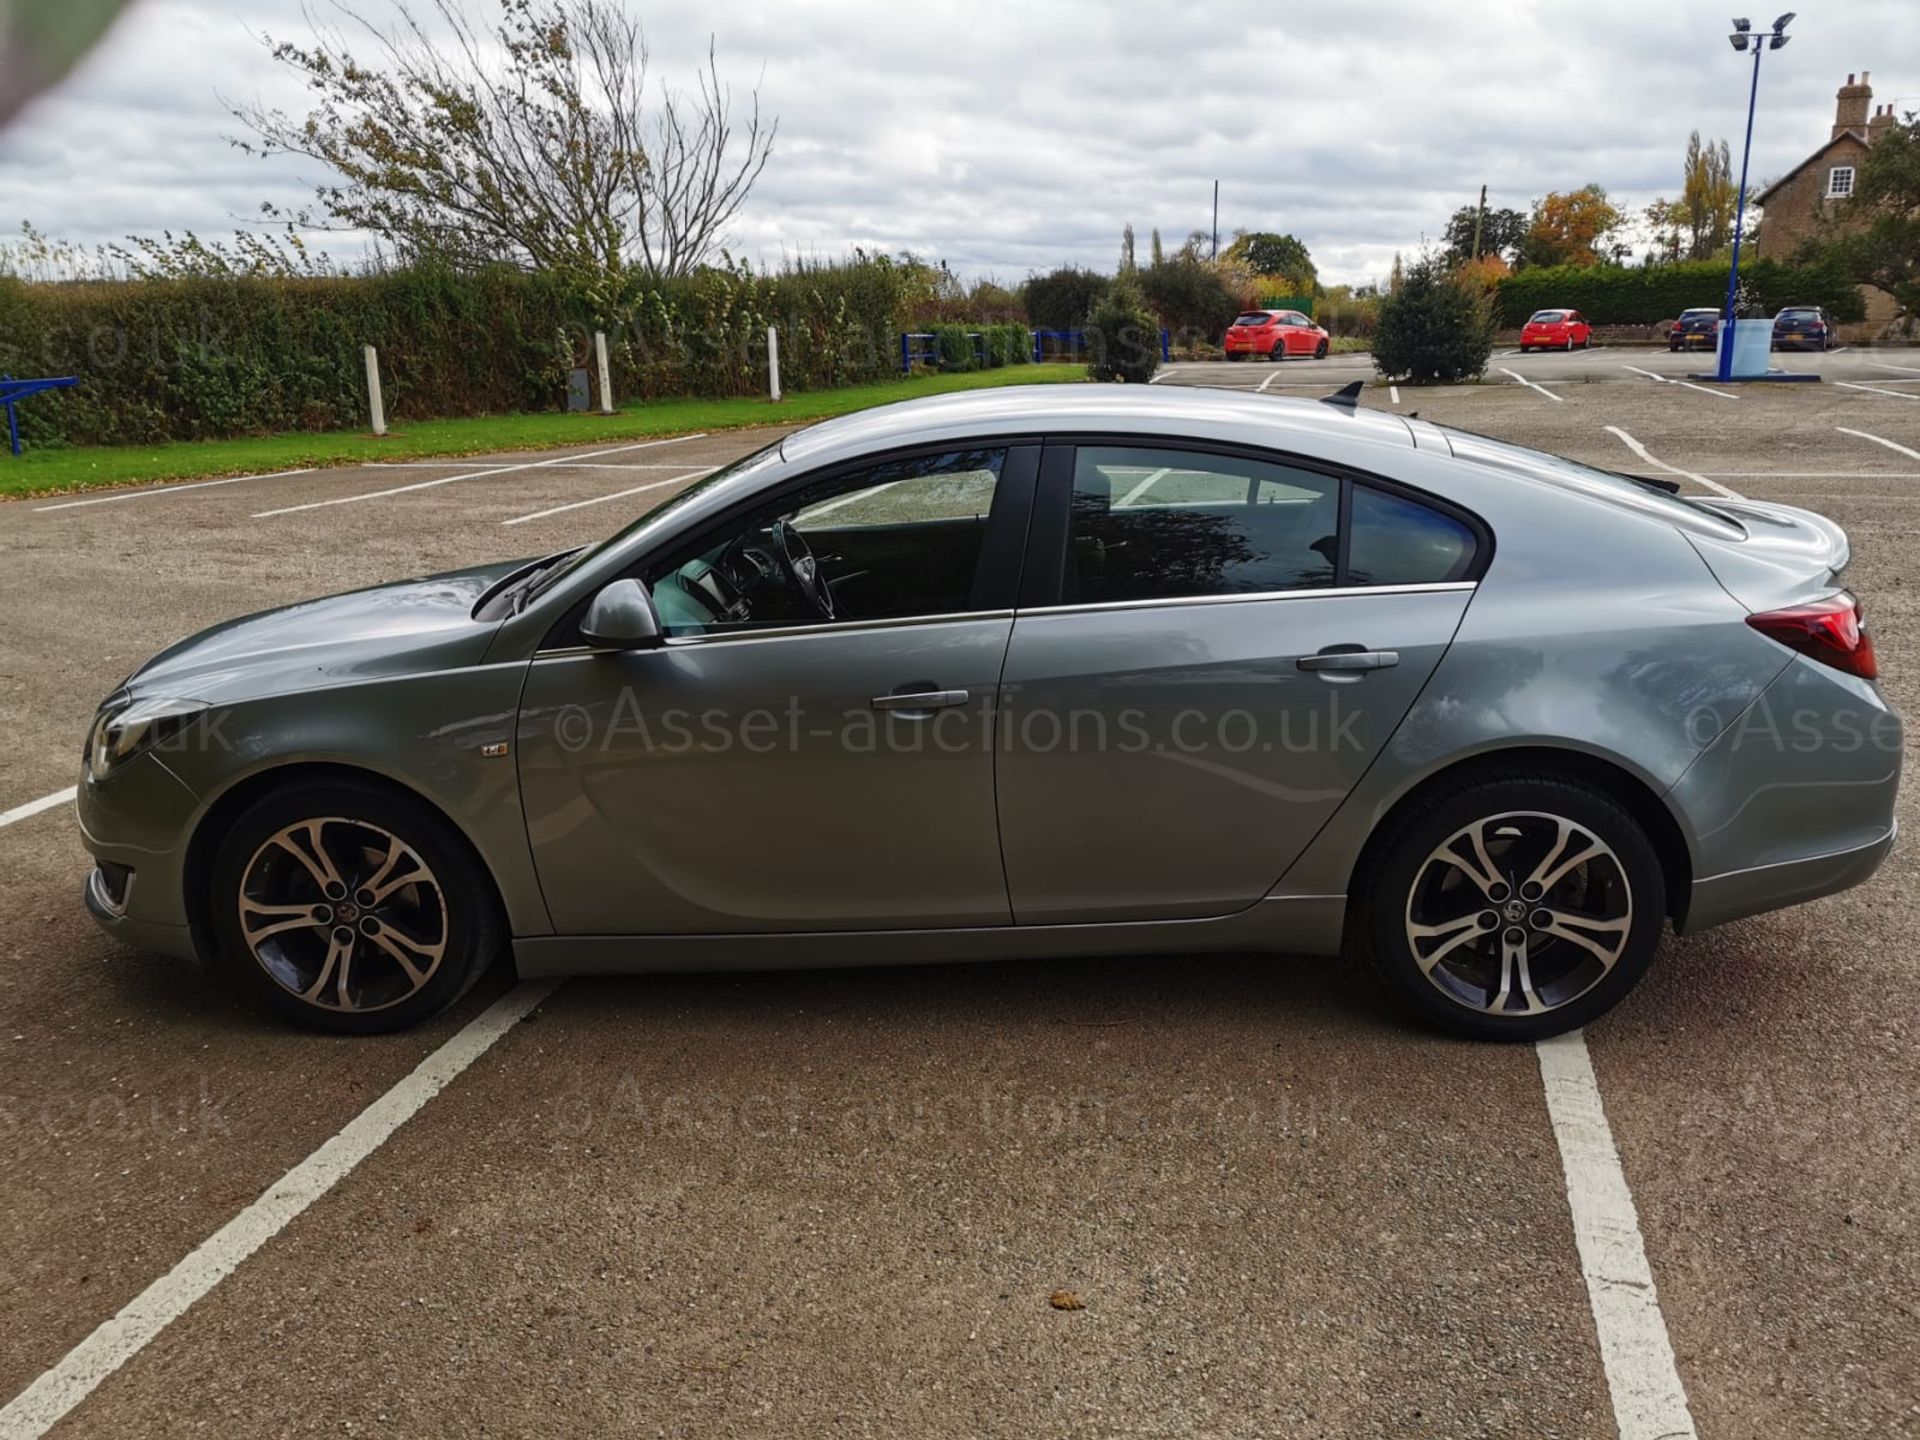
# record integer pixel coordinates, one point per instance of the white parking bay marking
(1557, 399)
(474, 475)
(1393, 392)
(1270, 379)
(602, 499)
(1877, 390)
(1649, 1402)
(1145, 485)
(153, 490)
(1684, 384)
(1879, 440)
(41, 1405)
(1889, 365)
(35, 807)
(1701, 480)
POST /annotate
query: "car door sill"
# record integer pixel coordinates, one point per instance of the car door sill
(1294, 924)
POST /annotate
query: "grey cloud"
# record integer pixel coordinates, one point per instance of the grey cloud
(1006, 137)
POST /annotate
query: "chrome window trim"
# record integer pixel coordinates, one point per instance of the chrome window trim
(1323, 592)
(775, 632)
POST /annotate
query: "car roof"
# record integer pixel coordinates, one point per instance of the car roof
(1184, 412)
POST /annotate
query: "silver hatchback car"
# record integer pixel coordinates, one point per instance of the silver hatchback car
(1027, 673)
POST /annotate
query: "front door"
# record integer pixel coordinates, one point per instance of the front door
(1228, 644)
(810, 749)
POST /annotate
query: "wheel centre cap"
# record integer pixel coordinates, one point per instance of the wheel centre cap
(347, 912)
(1515, 912)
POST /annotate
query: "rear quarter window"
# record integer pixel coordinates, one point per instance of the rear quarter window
(1397, 541)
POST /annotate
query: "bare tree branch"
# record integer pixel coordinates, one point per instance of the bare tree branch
(537, 142)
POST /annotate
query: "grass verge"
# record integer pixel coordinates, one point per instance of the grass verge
(45, 472)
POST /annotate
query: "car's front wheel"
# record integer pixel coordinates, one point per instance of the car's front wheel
(1320, 351)
(352, 908)
(1513, 908)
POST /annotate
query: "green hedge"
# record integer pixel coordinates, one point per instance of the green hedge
(978, 347)
(1646, 295)
(198, 359)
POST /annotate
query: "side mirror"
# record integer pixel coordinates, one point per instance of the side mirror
(621, 617)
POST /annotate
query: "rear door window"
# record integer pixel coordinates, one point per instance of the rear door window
(1158, 524)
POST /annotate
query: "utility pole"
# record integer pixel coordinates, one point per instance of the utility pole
(1479, 219)
(1216, 220)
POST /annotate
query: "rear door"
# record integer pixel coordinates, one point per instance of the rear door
(1211, 648)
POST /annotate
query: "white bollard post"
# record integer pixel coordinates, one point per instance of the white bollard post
(606, 379)
(773, 365)
(374, 404)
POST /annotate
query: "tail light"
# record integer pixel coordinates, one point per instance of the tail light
(1830, 631)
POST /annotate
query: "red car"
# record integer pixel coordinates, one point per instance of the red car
(1556, 330)
(1276, 334)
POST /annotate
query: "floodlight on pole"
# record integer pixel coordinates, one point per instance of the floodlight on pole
(1742, 33)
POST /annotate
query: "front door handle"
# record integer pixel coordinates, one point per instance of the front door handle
(914, 700)
(1346, 659)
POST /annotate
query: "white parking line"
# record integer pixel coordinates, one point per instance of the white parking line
(1557, 399)
(1641, 450)
(1393, 392)
(1688, 384)
(41, 1405)
(1879, 440)
(1889, 365)
(1145, 485)
(1649, 1402)
(164, 489)
(34, 807)
(473, 475)
(1159, 375)
(1875, 389)
(1268, 381)
(617, 495)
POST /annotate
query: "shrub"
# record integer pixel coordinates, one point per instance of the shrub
(953, 347)
(1191, 298)
(1062, 299)
(1646, 295)
(1434, 327)
(1123, 341)
(1007, 344)
(182, 359)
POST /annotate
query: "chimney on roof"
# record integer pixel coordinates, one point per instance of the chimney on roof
(1881, 123)
(1850, 107)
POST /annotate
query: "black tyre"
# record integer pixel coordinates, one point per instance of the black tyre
(1278, 353)
(1320, 351)
(1512, 908)
(352, 908)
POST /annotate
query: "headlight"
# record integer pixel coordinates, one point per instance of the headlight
(124, 728)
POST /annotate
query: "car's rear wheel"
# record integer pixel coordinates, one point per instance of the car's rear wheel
(1279, 351)
(1525, 349)
(1514, 908)
(352, 908)
(1569, 342)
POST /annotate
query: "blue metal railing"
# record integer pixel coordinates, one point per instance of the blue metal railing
(13, 391)
(1074, 342)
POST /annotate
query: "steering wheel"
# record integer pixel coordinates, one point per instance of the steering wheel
(797, 556)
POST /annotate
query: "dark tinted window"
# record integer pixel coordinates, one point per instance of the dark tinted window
(1402, 542)
(1253, 317)
(1545, 317)
(1151, 524)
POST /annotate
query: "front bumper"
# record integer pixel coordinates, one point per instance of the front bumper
(136, 825)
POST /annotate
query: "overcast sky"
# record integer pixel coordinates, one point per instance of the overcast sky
(1007, 137)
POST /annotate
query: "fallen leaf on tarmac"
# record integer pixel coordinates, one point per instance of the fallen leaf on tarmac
(1066, 1300)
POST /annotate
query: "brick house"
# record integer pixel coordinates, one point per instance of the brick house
(1791, 202)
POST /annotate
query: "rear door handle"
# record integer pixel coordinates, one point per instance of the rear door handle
(1345, 659)
(910, 700)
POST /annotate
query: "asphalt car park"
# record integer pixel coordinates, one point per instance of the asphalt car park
(844, 1202)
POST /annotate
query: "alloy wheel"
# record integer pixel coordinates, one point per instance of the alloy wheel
(343, 914)
(1519, 913)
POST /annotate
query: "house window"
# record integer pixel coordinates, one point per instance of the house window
(1840, 181)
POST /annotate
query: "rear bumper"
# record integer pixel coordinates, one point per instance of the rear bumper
(1794, 799)
(1720, 898)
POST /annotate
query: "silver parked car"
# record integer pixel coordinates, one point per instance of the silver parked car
(1023, 673)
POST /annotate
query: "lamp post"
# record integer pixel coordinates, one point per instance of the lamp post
(1744, 39)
